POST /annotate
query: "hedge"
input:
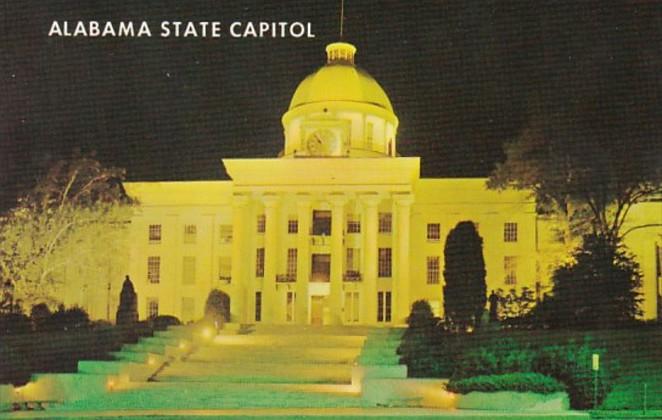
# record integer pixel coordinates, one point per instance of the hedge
(516, 382)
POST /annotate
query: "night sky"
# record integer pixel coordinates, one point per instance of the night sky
(461, 76)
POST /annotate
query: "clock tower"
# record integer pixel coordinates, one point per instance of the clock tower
(339, 111)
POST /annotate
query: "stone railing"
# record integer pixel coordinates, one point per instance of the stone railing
(351, 275)
(286, 278)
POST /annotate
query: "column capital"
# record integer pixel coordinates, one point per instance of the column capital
(337, 198)
(403, 199)
(240, 200)
(370, 200)
(270, 199)
(303, 200)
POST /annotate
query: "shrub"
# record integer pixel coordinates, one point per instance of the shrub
(40, 315)
(162, 322)
(69, 319)
(496, 358)
(571, 365)
(14, 323)
(421, 317)
(516, 382)
(599, 289)
(217, 308)
(14, 366)
(127, 310)
(425, 346)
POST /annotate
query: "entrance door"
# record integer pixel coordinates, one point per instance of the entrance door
(317, 310)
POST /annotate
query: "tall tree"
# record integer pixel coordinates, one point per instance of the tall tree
(465, 292)
(73, 221)
(591, 147)
(599, 288)
(580, 173)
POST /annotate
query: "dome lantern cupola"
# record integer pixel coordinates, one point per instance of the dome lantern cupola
(340, 53)
(339, 111)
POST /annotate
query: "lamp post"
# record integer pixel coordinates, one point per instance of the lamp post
(596, 367)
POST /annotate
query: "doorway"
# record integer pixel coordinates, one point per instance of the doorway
(317, 310)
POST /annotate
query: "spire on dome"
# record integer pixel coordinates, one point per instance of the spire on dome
(340, 53)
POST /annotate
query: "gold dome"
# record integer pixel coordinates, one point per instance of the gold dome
(340, 80)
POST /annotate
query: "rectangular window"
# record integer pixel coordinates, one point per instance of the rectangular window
(152, 307)
(261, 223)
(190, 233)
(292, 226)
(225, 269)
(188, 270)
(385, 222)
(353, 259)
(369, 134)
(292, 263)
(154, 269)
(258, 306)
(259, 263)
(353, 224)
(351, 307)
(384, 263)
(188, 309)
(510, 232)
(383, 306)
(433, 270)
(225, 234)
(510, 270)
(322, 222)
(154, 234)
(320, 268)
(290, 304)
(434, 232)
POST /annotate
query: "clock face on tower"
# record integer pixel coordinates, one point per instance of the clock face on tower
(323, 142)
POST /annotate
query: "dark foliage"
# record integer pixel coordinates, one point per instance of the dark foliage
(571, 365)
(516, 382)
(494, 358)
(464, 272)
(162, 322)
(127, 311)
(598, 290)
(21, 355)
(14, 366)
(217, 307)
(14, 323)
(68, 319)
(426, 347)
(40, 315)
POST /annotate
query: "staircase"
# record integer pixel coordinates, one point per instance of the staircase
(259, 366)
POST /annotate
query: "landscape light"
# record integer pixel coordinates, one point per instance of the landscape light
(207, 332)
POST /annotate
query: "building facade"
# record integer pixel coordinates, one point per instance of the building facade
(339, 229)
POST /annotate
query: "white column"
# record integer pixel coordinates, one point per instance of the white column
(401, 296)
(369, 297)
(303, 258)
(239, 303)
(337, 233)
(271, 250)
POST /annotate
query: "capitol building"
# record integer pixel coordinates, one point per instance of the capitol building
(338, 228)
